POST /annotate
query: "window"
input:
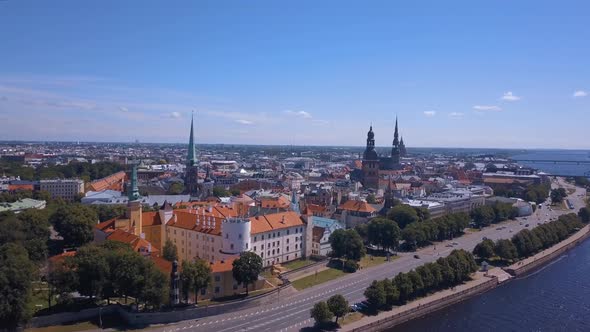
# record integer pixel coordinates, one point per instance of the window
(287, 248)
(278, 250)
(246, 245)
(295, 246)
(216, 290)
(287, 257)
(296, 230)
(263, 237)
(254, 248)
(268, 253)
(279, 234)
(287, 240)
(262, 247)
(273, 251)
(255, 239)
(287, 232)
(261, 255)
(240, 236)
(227, 235)
(217, 278)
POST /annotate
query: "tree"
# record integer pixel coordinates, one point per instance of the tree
(35, 226)
(384, 233)
(176, 188)
(220, 192)
(584, 214)
(403, 215)
(338, 243)
(61, 279)
(107, 212)
(154, 288)
(506, 250)
(404, 284)
(338, 305)
(363, 231)
(484, 249)
(347, 244)
(557, 195)
(376, 295)
(321, 313)
(170, 252)
(391, 292)
(16, 274)
(195, 276)
(247, 268)
(92, 268)
(371, 199)
(75, 223)
(483, 215)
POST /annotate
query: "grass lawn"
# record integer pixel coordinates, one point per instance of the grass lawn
(350, 318)
(375, 260)
(234, 297)
(297, 264)
(318, 278)
(108, 321)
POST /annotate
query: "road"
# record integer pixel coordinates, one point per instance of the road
(291, 313)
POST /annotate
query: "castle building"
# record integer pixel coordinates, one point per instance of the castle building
(374, 165)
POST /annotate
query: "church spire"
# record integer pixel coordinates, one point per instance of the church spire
(395, 134)
(191, 159)
(133, 190)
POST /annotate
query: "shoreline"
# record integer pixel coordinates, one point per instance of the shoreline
(482, 282)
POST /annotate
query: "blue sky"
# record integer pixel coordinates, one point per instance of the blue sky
(457, 73)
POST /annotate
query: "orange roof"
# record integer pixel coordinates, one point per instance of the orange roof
(107, 226)
(316, 208)
(223, 265)
(62, 256)
(106, 182)
(150, 218)
(162, 264)
(359, 206)
(275, 221)
(280, 202)
(131, 239)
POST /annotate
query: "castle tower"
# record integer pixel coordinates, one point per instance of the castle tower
(370, 162)
(134, 212)
(191, 178)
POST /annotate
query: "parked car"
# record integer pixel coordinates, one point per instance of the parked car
(417, 256)
(527, 225)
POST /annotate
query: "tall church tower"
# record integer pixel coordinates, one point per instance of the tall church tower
(402, 148)
(191, 178)
(395, 149)
(134, 211)
(370, 163)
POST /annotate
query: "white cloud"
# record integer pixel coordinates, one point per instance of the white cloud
(320, 123)
(509, 96)
(301, 114)
(487, 108)
(244, 122)
(430, 113)
(580, 93)
(456, 115)
(123, 109)
(175, 115)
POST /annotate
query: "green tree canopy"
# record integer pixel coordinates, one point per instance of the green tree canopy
(484, 249)
(75, 223)
(376, 295)
(170, 252)
(16, 275)
(384, 233)
(195, 276)
(247, 268)
(403, 215)
(338, 305)
(321, 313)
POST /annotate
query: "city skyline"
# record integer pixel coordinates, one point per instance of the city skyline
(486, 77)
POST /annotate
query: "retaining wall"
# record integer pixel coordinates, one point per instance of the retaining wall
(415, 311)
(532, 263)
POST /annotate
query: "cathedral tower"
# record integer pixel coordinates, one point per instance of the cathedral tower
(192, 166)
(370, 162)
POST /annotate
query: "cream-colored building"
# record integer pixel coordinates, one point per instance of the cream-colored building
(68, 189)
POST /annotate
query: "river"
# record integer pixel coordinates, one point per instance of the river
(557, 168)
(554, 298)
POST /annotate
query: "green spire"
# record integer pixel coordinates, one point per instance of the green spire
(133, 190)
(191, 158)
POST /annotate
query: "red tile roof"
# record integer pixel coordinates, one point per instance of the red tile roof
(359, 206)
(274, 221)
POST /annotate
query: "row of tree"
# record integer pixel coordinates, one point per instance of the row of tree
(347, 244)
(558, 195)
(537, 193)
(323, 312)
(529, 242)
(83, 170)
(486, 215)
(109, 270)
(419, 234)
(431, 277)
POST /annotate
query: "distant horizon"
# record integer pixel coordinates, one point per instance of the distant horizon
(290, 145)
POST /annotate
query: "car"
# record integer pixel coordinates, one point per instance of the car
(527, 225)
(449, 245)
(499, 228)
(455, 243)
(353, 308)
(417, 256)
(510, 231)
(484, 238)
